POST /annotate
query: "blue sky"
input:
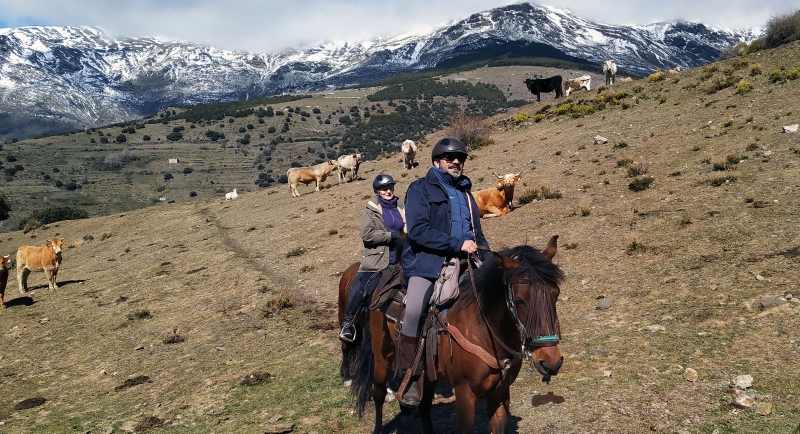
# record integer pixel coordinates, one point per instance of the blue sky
(274, 25)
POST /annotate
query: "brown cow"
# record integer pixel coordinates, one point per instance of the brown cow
(582, 82)
(5, 266)
(496, 201)
(47, 259)
(307, 175)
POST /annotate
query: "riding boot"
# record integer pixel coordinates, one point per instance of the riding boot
(348, 333)
(355, 299)
(408, 352)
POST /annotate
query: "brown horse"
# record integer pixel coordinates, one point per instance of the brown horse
(506, 312)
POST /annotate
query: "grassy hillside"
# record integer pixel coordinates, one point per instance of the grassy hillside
(202, 297)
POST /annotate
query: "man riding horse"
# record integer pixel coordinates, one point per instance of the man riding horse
(440, 227)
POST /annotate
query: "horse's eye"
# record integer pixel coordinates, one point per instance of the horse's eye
(520, 303)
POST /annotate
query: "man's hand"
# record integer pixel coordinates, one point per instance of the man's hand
(469, 246)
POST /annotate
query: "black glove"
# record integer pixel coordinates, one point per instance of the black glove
(396, 235)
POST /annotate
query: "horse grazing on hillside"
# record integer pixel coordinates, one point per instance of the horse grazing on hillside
(507, 308)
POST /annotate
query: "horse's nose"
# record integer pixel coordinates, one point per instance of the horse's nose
(548, 369)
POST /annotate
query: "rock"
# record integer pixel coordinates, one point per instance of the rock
(790, 128)
(742, 400)
(279, 429)
(600, 140)
(767, 154)
(655, 328)
(604, 303)
(108, 430)
(607, 373)
(763, 408)
(742, 381)
(275, 418)
(690, 375)
(768, 303)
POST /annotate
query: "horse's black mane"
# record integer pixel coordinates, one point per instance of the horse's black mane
(491, 279)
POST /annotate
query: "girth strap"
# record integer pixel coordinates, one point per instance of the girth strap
(471, 348)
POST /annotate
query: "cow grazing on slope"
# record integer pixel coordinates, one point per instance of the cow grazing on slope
(5, 267)
(583, 82)
(232, 195)
(349, 163)
(307, 175)
(47, 259)
(625, 79)
(409, 149)
(496, 201)
(675, 70)
(539, 85)
(610, 71)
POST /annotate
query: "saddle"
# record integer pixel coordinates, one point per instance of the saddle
(389, 299)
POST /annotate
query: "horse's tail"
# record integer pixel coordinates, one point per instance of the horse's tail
(362, 387)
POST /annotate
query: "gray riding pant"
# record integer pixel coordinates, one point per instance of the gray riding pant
(418, 295)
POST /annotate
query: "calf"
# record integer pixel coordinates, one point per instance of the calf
(538, 85)
(610, 71)
(409, 149)
(349, 163)
(307, 175)
(583, 82)
(5, 266)
(496, 201)
(47, 259)
(232, 195)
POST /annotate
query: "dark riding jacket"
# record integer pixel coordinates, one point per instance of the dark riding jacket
(429, 221)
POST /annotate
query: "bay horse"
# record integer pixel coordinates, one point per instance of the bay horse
(506, 312)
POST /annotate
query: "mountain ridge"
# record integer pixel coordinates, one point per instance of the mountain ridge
(75, 77)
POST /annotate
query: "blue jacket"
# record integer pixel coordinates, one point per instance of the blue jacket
(429, 220)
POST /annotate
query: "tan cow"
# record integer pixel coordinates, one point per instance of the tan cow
(583, 82)
(675, 70)
(307, 175)
(349, 163)
(409, 150)
(496, 201)
(5, 267)
(47, 259)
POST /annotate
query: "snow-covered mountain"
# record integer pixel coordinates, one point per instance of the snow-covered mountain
(74, 77)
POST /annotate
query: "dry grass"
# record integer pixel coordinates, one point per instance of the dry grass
(684, 254)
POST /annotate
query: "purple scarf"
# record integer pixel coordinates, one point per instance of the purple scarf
(390, 213)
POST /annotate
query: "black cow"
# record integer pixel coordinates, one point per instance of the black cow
(538, 85)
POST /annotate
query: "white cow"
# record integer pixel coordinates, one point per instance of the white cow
(409, 149)
(232, 195)
(582, 82)
(610, 71)
(349, 163)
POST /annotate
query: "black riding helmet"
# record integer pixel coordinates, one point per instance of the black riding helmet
(448, 145)
(381, 180)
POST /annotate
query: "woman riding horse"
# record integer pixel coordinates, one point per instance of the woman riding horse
(381, 224)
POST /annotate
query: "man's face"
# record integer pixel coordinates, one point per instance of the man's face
(451, 163)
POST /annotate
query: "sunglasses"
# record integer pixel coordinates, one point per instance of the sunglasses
(449, 158)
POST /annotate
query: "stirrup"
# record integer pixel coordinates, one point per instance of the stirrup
(348, 333)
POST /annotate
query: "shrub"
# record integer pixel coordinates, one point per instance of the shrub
(528, 196)
(146, 138)
(471, 130)
(756, 69)
(538, 117)
(655, 77)
(635, 170)
(174, 136)
(297, 251)
(55, 214)
(793, 74)
(641, 184)
(638, 88)
(776, 75)
(625, 162)
(743, 87)
(782, 29)
(5, 207)
(520, 118)
(139, 314)
(168, 176)
(563, 109)
(716, 182)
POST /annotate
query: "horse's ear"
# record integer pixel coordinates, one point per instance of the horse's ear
(509, 264)
(551, 248)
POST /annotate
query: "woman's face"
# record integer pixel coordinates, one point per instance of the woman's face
(386, 192)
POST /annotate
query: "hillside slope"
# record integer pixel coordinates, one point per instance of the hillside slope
(693, 266)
